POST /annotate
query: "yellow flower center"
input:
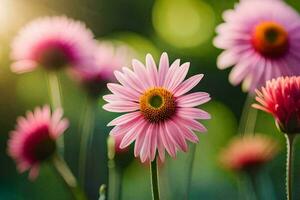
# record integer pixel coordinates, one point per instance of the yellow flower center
(270, 39)
(157, 104)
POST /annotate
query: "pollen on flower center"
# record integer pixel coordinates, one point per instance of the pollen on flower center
(270, 39)
(157, 104)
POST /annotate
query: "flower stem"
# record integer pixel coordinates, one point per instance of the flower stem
(55, 96)
(154, 179)
(115, 176)
(248, 118)
(86, 139)
(68, 178)
(289, 165)
(190, 170)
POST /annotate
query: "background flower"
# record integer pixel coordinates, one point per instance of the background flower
(261, 40)
(34, 139)
(53, 43)
(248, 152)
(108, 58)
(281, 98)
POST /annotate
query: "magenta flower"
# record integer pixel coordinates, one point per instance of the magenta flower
(34, 139)
(53, 43)
(160, 115)
(281, 98)
(108, 58)
(261, 39)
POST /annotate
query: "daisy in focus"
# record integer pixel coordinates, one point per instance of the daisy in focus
(160, 115)
(34, 139)
(108, 58)
(281, 98)
(52, 43)
(260, 39)
(248, 152)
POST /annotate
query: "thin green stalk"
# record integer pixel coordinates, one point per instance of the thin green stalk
(249, 184)
(248, 118)
(289, 165)
(266, 189)
(154, 180)
(70, 181)
(55, 96)
(115, 176)
(87, 131)
(190, 170)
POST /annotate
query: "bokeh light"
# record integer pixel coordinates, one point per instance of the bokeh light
(183, 23)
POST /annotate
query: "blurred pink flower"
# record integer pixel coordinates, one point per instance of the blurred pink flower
(161, 115)
(261, 39)
(34, 139)
(281, 98)
(53, 43)
(108, 58)
(246, 152)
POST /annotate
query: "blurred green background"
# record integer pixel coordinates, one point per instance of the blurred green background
(184, 29)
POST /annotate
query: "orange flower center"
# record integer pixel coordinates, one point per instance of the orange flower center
(157, 104)
(270, 39)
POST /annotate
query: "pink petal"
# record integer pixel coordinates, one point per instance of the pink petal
(134, 80)
(145, 151)
(125, 118)
(167, 142)
(187, 85)
(152, 70)
(34, 172)
(127, 82)
(163, 68)
(140, 141)
(123, 92)
(23, 66)
(175, 135)
(160, 146)
(193, 113)
(171, 72)
(140, 70)
(132, 134)
(121, 106)
(227, 59)
(193, 99)
(190, 123)
(153, 143)
(179, 76)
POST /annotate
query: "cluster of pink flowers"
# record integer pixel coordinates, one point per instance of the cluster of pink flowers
(260, 38)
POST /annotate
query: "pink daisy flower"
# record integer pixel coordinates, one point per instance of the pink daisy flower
(261, 40)
(53, 43)
(34, 139)
(160, 115)
(108, 58)
(246, 152)
(281, 98)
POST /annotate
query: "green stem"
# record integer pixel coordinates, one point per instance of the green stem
(68, 178)
(115, 181)
(55, 96)
(154, 179)
(248, 118)
(190, 169)
(249, 184)
(87, 131)
(289, 165)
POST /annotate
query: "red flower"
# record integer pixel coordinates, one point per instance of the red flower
(281, 98)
